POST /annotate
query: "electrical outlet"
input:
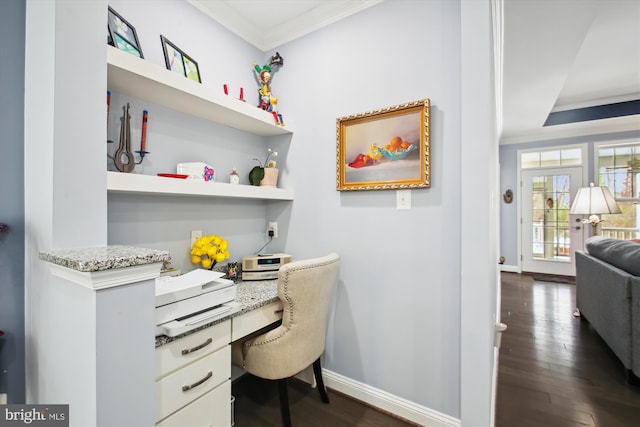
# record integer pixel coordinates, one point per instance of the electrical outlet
(195, 235)
(273, 226)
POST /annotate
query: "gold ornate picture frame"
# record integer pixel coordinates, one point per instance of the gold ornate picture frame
(385, 149)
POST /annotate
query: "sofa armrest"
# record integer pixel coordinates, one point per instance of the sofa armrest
(635, 325)
(603, 295)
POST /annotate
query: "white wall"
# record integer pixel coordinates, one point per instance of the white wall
(65, 205)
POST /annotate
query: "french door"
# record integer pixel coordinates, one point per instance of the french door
(550, 235)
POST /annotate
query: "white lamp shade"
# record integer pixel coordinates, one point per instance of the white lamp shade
(594, 200)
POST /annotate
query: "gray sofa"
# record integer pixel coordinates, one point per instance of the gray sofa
(608, 296)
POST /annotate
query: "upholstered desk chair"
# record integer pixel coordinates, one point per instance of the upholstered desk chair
(305, 288)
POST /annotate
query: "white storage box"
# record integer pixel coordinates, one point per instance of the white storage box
(196, 170)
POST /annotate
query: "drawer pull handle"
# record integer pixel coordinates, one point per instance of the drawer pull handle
(279, 311)
(197, 383)
(196, 348)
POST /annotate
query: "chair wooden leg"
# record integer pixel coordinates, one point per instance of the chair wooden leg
(317, 372)
(284, 403)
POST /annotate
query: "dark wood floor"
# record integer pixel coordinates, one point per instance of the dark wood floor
(257, 405)
(554, 369)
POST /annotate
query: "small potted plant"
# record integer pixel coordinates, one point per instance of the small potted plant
(265, 174)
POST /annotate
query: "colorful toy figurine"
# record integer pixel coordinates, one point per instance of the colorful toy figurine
(273, 108)
(264, 77)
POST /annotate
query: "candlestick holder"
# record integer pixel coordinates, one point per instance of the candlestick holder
(124, 151)
(128, 166)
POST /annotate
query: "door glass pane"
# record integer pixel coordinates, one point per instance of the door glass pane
(551, 197)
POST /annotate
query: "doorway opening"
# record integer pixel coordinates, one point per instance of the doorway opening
(549, 235)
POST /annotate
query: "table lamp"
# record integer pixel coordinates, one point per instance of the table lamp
(594, 201)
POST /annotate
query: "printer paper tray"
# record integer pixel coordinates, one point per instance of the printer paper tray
(177, 327)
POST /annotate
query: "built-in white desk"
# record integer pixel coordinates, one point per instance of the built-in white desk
(114, 315)
(194, 370)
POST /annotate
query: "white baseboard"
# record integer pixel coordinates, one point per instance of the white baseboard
(388, 402)
(510, 268)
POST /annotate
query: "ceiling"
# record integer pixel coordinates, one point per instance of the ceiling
(557, 55)
(267, 24)
(564, 55)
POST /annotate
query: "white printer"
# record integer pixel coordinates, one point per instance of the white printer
(191, 300)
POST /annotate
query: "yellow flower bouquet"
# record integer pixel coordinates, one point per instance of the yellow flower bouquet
(209, 250)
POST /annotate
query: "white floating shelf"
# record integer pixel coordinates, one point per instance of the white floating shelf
(142, 79)
(148, 184)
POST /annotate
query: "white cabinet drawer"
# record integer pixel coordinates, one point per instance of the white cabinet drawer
(174, 355)
(211, 410)
(181, 387)
(256, 319)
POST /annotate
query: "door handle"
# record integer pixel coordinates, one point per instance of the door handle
(577, 227)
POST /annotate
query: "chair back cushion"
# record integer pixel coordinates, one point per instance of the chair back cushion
(305, 289)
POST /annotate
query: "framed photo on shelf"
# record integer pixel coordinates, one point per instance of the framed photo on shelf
(123, 35)
(178, 61)
(385, 149)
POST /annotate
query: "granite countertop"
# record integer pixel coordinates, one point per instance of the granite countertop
(103, 257)
(250, 295)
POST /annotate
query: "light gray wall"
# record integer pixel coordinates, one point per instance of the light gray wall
(509, 175)
(397, 319)
(396, 324)
(12, 371)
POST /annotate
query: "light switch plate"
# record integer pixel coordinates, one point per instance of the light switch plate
(403, 199)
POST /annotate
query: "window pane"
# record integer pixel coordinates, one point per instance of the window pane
(622, 226)
(571, 157)
(550, 158)
(530, 160)
(636, 159)
(607, 180)
(605, 160)
(618, 169)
